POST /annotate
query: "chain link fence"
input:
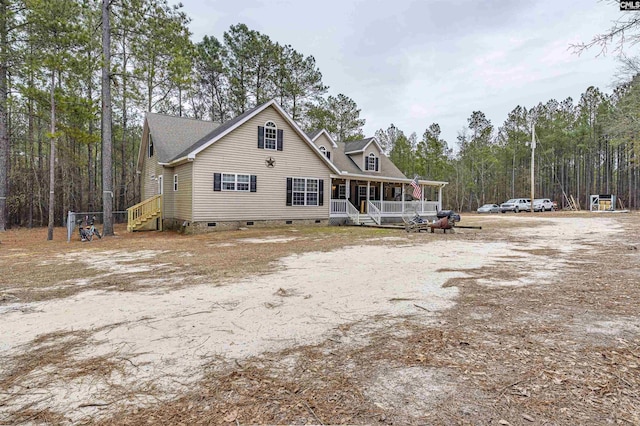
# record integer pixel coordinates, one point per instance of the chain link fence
(76, 218)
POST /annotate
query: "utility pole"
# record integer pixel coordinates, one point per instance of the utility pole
(533, 164)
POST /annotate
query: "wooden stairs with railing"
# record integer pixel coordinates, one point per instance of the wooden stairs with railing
(143, 213)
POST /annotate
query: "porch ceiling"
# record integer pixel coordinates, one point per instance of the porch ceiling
(387, 179)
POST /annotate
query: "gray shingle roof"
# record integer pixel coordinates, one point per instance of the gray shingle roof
(356, 145)
(176, 137)
(313, 134)
(345, 164)
(172, 135)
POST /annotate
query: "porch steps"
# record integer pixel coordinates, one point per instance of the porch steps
(143, 213)
(142, 221)
(366, 220)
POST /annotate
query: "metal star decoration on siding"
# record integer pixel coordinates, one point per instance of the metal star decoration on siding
(270, 162)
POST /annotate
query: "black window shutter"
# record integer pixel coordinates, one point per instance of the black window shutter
(217, 182)
(260, 137)
(254, 179)
(328, 155)
(321, 192)
(377, 165)
(289, 190)
(280, 137)
(366, 163)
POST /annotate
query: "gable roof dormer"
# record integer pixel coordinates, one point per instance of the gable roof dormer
(314, 136)
(324, 142)
(358, 147)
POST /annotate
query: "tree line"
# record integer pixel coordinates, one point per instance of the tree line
(583, 148)
(53, 104)
(77, 77)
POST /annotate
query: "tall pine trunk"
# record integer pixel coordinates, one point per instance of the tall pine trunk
(4, 135)
(122, 201)
(91, 187)
(52, 159)
(107, 174)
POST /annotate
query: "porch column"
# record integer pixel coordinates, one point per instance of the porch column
(422, 198)
(381, 194)
(440, 198)
(368, 187)
(402, 198)
(347, 192)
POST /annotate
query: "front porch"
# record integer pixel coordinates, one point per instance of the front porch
(370, 201)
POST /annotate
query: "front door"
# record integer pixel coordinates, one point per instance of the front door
(362, 198)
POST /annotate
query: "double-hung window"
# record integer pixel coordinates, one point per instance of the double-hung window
(371, 162)
(235, 182)
(325, 152)
(305, 192)
(270, 135)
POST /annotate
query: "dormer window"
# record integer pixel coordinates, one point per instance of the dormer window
(325, 152)
(372, 163)
(270, 135)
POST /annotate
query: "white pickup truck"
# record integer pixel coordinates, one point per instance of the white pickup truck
(515, 205)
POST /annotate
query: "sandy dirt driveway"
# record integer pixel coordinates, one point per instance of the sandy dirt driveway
(531, 320)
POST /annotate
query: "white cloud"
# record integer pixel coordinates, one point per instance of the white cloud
(413, 63)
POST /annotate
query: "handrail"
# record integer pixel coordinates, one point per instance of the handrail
(374, 212)
(144, 209)
(353, 213)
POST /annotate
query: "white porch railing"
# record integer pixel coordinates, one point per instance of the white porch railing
(399, 207)
(338, 207)
(374, 212)
(390, 208)
(353, 213)
(380, 209)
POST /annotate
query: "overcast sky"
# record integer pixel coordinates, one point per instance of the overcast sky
(413, 63)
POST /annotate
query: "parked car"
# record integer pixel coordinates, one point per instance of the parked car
(516, 205)
(542, 205)
(489, 208)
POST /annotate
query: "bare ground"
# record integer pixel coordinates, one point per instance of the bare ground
(545, 331)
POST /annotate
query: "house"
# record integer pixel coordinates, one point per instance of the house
(261, 168)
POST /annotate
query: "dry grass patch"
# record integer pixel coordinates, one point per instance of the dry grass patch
(508, 355)
(555, 351)
(38, 270)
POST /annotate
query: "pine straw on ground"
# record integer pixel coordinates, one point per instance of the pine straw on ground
(502, 355)
(47, 360)
(35, 269)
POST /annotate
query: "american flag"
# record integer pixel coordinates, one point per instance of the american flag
(417, 191)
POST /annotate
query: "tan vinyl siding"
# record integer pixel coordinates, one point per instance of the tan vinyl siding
(168, 203)
(150, 172)
(238, 153)
(182, 198)
(322, 140)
